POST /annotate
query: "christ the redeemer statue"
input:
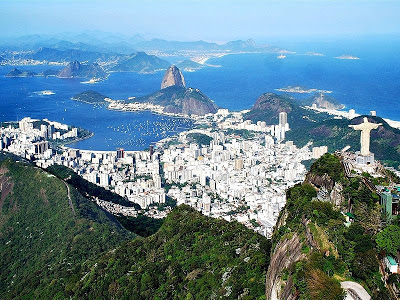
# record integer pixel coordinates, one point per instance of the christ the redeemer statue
(365, 128)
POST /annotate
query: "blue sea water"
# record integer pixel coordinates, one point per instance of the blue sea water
(370, 83)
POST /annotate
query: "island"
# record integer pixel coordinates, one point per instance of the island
(350, 57)
(18, 73)
(91, 97)
(301, 90)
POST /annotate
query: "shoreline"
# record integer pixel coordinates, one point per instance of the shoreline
(347, 115)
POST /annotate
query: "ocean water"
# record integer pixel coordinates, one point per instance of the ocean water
(20, 97)
(370, 83)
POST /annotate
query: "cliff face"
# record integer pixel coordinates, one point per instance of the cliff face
(76, 69)
(287, 252)
(173, 77)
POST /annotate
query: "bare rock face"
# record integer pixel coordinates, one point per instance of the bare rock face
(173, 77)
(287, 252)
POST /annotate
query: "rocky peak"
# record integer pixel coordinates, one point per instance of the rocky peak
(172, 77)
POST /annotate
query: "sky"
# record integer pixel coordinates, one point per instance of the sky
(210, 20)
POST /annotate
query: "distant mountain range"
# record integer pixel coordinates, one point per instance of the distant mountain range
(140, 62)
(67, 55)
(73, 70)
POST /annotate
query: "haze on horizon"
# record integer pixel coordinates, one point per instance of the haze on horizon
(208, 20)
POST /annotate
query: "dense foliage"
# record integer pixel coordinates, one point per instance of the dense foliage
(190, 257)
(199, 138)
(333, 251)
(140, 225)
(328, 164)
(42, 235)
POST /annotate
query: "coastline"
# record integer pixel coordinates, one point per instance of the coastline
(347, 115)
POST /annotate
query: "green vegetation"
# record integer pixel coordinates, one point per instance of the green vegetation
(87, 188)
(190, 257)
(336, 134)
(199, 138)
(50, 249)
(333, 251)
(140, 225)
(42, 237)
(243, 133)
(91, 97)
(328, 164)
(389, 239)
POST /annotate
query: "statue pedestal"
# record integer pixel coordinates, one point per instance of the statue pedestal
(365, 159)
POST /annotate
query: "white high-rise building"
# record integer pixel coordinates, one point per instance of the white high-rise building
(283, 119)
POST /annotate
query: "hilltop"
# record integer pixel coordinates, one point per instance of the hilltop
(91, 97)
(18, 73)
(180, 100)
(77, 69)
(172, 77)
(323, 129)
(315, 248)
(268, 106)
(320, 100)
(336, 134)
(174, 97)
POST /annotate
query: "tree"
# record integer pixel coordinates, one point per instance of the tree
(389, 239)
(365, 264)
(369, 218)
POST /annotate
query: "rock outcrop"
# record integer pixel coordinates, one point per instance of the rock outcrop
(173, 77)
(286, 253)
(322, 101)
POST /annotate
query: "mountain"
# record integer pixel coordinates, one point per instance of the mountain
(240, 45)
(91, 97)
(46, 228)
(140, 62)
(170, 46)
(336, 134)
(55, 243)
(76, 69)
(191, 257)
(189, 65)
(268, 106)
(320, 100)
(314, 247)
(67, 55)
(180, 100)
(164, 45)
(172, 77)
(18, 73)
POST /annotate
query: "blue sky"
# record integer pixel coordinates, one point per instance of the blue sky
(212, 20)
